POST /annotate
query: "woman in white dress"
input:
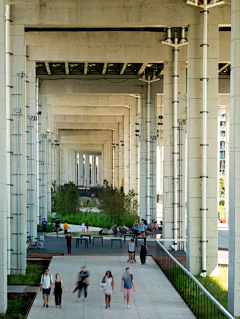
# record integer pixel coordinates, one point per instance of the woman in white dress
(108, 280)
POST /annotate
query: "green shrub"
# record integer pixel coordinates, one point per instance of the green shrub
(50, 228)
(222, 202)
(101, 220)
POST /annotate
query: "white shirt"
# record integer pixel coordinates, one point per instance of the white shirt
(46, 281)
(83, 225)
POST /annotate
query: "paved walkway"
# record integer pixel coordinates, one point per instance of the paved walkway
(154, 298)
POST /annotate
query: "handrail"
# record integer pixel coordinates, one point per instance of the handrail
(225, 312)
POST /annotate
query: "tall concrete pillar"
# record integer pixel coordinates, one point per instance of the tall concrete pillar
(126, 147)
(234, 190)
(194, 124)
(71, 166)
(134, 154)
(80, 169)
(3, 182)
(116, 158)
(93, 171)
(120, 154)
(168, 149)
(18, 155)
(144, 157)
(31, 149)
(87, 171)
(100, 180)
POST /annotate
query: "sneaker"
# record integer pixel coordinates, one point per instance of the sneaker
(128, 306)
(78, 300)
(46, 306)
(85, 299)
(125, 307)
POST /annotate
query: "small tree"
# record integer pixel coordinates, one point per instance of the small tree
(221, 186)
(67, 200)
(116, 203)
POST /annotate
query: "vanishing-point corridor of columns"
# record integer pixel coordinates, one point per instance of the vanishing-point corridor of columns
(85, 106)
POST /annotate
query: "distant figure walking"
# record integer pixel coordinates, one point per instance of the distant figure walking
(83, 227)
(87, 226)
(57, 290)
(143, 249)
(45, 287)
(68, 240)
(135, 228)
(108, 280)
(131, 250)
(82, 204)
(127, 287)
(88, 203)
(65, 227)
(83, 283)
(57, 225)
(44, 226)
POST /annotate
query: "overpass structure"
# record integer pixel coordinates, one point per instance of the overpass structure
(126, 91)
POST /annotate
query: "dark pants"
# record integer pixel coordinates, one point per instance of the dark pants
(136, 232)
(69, 248)
(79, 287)
(143, 258)
(58, 298)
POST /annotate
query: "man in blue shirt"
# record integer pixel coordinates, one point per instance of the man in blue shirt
(44, 226)
(142, 228)
(127, 287)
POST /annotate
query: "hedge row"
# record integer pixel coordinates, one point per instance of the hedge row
(97, 219)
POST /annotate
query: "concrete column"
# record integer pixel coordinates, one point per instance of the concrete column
(100, 180)
(3, 182)
(126, 147)
(120, 154)
(194, 124)
(168, 149)
(143, 157)
(93, 170)
(234, 190)
(71, 166)
(116, 158)
(80, 169)
(134, 154)
(227, 158)
(31, 149)
(18, 157)
(87, 170)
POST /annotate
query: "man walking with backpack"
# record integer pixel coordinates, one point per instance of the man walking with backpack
(45, 286)
(83, 282)
(127, 287)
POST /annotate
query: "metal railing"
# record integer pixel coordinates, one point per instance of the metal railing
(199, 300)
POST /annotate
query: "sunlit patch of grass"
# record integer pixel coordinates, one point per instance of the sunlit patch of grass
(217, 286)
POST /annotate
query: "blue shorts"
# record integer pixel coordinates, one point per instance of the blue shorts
(46, 291)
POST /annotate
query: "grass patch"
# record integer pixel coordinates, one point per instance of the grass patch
(17, 306)
(92, 203)
(217, 286)
(221, 212)
(33, 276)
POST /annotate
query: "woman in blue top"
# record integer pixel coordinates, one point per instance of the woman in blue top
(142, 228)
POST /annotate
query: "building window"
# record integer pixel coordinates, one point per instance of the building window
(222, 165)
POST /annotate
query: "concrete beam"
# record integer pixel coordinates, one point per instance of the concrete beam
(85, 68)
(86, 126)
(69, 110)
(113, 14)
(142, 69)
(66, 68)
(48, 68)
(88, 118)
